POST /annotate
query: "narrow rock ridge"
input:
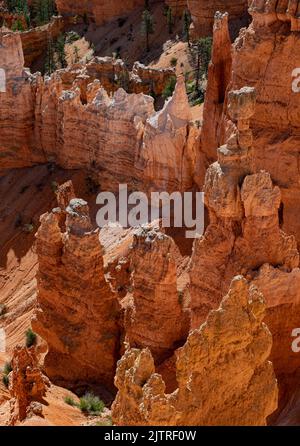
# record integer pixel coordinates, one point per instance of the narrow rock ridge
(232, 342)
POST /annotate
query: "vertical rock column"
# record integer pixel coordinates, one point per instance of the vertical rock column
(77, 311)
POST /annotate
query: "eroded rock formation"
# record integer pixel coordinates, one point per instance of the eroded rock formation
(219, 76)
(266, 56)
(77, 312)
(203, 12)
(232, 342)
(43, 129)
(27, 385)
(154, 285)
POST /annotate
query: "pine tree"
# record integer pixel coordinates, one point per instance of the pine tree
(60, 48)
(170, 20)
(50, 65)
(147, 27)
(186, 26)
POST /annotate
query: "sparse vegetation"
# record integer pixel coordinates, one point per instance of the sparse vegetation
(7, 368)
(173, 61)
(91, 404)
(72, 37)
(170, 20)
(3, 309)
(54, 186)
(70, 401)
(5, 380)
(31, 338)
(28, 228)
(105, 422)
(35, 13)
(170, 87)
(6, 371)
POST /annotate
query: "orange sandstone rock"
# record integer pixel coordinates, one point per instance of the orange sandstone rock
(154, 285)
(27, 385)
(77, 311)
(203, 12)
(233, 342)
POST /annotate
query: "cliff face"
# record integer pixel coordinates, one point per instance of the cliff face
(233, 342)
(35, 41)
(244, 231)
(203, 12)
(99, 11)
(266, 55)
(43, 128)
(17, 105)
(219, 76)
(77, 311)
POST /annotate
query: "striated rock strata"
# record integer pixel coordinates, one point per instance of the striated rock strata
(203, 12)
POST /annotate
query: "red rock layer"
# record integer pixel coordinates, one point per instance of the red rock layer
(203, 12)
(99, 11)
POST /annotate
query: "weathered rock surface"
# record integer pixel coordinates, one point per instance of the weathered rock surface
(244, 230)
(266, 56)
(27, 385)
(16, 105)
(232, 342)
(169, 145)
(99, 11)
(77, 312)
(203, 12)
(71, 120)
(154, 285)
(219, 75)
(35, 41)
